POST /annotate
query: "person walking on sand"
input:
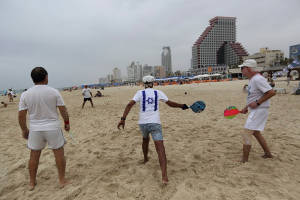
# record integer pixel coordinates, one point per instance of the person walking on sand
(41, 103)
(259, 93)
(149, 120)
(87, 95)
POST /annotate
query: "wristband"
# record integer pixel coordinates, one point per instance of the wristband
(123, 118)
(67, 122)
(257, 103)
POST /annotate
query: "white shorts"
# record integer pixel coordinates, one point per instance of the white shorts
(257, 119)
(37, 140)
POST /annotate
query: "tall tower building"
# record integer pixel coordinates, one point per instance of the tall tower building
(117, 75)
(217, 45)
(166, 60)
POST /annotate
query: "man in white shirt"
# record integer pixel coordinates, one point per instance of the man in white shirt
(87, 95)
(149, 120)
(41, 103)
(259, 93)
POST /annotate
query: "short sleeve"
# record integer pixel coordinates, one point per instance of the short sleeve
(263, 85)
(22, 103)
(59, 99)
(137, 96)
(162, 96)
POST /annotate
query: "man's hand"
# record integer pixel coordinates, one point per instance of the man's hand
(25, 133)
(67, 127)
(121, 123)
(253, 105)
(184, 107)
(245, 110)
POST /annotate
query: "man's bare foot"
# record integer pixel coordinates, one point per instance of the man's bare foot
(62, 184)
(146, 160)
(165, 180)
(267, 156)
(142, 162)
(31, 186)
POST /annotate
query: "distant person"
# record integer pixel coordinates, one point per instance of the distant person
(10, 95)
(259, 93)
(288, 77)
(41, 103)
(98, 94)
(87, 95)
(149, 120)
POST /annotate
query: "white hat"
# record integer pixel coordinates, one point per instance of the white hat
(249, 63)
(148, 79)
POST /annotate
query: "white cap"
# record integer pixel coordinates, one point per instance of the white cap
(249, 63)
(148, 79)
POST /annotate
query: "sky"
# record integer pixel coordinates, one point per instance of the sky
(79, 41)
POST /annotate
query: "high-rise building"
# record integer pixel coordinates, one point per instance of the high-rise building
(148, 70)
(134, 72)
(166, 60)
(159, 72)
(217, 45)
(295, 52)
(117, 75)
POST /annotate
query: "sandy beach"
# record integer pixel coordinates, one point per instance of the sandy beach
(203, 150)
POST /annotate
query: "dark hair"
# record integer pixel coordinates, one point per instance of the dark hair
(38, 74)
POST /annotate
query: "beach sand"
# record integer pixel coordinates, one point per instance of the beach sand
(202, 149)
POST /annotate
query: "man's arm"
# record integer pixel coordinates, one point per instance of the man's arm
(64, 113)
(22, 123)
(264, 98)
(126, 111)
(176, 105)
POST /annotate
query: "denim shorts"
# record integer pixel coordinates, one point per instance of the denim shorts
(154, 129)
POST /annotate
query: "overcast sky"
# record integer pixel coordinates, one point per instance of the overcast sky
(78, 41)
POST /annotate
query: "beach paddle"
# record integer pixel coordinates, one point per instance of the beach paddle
(231, 112)
(198, 106)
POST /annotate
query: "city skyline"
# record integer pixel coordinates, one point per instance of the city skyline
(79, 42)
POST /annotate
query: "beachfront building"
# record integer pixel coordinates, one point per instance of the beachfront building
(117, 75)
(148, 70)
(110, 78)
(159, 72)
(103, 80)
(266, 57)
(134, 72)
(166, 60)
(217, 46)
(295, 52)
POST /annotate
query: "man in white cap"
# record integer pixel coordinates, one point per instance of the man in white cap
(149, 120)
(259, 93)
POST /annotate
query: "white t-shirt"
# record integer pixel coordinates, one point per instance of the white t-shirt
(86, 93)
(41, 102)
(149, 105)
(258, 85)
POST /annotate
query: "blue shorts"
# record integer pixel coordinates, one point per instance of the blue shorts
(154, 129)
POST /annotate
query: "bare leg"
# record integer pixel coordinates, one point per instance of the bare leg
(83, 104)
(61, 165)
(33, 167)
(160, 149)
(246, 151)
(145, 146)
(92, 103)
(261, 140)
